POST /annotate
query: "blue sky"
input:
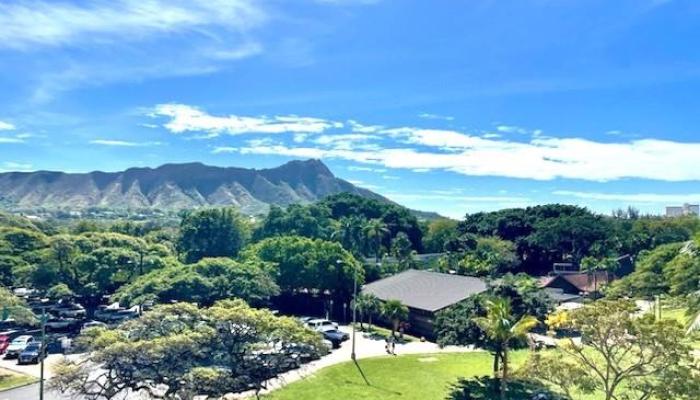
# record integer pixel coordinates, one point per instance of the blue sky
(450, 106)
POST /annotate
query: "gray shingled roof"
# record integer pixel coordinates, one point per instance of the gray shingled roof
(424, 290)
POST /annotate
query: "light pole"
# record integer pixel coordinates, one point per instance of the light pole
(354, 309)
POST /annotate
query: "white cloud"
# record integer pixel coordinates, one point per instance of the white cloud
(660, 198)
(361, 128)
(435, 116)
(421, 150)
(390, 177)
(366, 169)
(541, 158)
(512, 129)
(6, 126)
(123, 143)
(185, 118)
(26, 24)
(5, 139)
(15, 166)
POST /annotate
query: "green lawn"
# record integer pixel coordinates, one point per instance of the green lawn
(10, 379)
(409, 377)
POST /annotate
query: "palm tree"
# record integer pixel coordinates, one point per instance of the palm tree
(376, 229)
(367, 305)
(501, 328)
(394, 311)
(347, 232)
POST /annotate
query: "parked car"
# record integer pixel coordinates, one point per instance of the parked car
(335, 336)
(70, 310)
(61, 324)
(18, 345)
(32, 354)
(92, 324)
(320, 324)
(114, 313)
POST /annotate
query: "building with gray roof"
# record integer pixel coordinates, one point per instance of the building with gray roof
(425, 293)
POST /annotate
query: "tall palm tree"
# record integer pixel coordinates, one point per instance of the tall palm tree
(376, 229)
(367, 305)
(347, 231)
(501, 328)
(394, 311)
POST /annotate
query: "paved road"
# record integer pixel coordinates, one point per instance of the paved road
(31, 392)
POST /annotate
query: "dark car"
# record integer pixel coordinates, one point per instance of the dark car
(32, 354)
(335, 336)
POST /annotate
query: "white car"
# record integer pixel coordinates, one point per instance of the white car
(70, 310)
(321, 324)
(92, 324)
(18, 345)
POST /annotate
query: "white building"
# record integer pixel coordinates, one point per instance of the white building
(684, 210)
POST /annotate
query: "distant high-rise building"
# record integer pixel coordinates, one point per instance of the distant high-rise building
(684, 210)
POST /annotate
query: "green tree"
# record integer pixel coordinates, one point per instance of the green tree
(401, 249)
(502, 328)
(15, 308)
(439, 233)
(60, 291)
(215, 232)
(367, 305)
(375, 230)
(181, 351)
(395, 312)
(207, 281)
(303, 263)
(626, 356)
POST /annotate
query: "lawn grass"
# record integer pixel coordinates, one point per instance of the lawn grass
(409, 377)
(10, 379)
(379, 333)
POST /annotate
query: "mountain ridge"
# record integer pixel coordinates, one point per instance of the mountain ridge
(176, 186)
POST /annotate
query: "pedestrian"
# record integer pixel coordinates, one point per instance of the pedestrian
(392, 345)
(387, 346)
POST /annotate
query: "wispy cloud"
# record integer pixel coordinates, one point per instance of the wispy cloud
(185, 118)
(125, 40)
(123, 143)
(8, 166)
(435, 116)
(540, 158)
(426, 149)
(660, 198)
(6, 126)
(27, 24)
(5, 139)
(366, 169)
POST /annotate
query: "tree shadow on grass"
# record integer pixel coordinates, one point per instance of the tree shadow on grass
(487, 388)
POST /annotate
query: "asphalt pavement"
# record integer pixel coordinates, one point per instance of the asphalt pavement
(31, 392)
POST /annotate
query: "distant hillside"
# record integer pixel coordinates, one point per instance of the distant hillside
(175, 187)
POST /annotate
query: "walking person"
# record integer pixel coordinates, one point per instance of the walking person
(392, 345)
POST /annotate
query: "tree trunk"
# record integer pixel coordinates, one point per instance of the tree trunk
(504, 378)
(378, 250)
(496, 368)
(394, 328)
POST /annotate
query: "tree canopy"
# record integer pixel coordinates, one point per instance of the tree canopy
(180, 350)
(212, 232)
